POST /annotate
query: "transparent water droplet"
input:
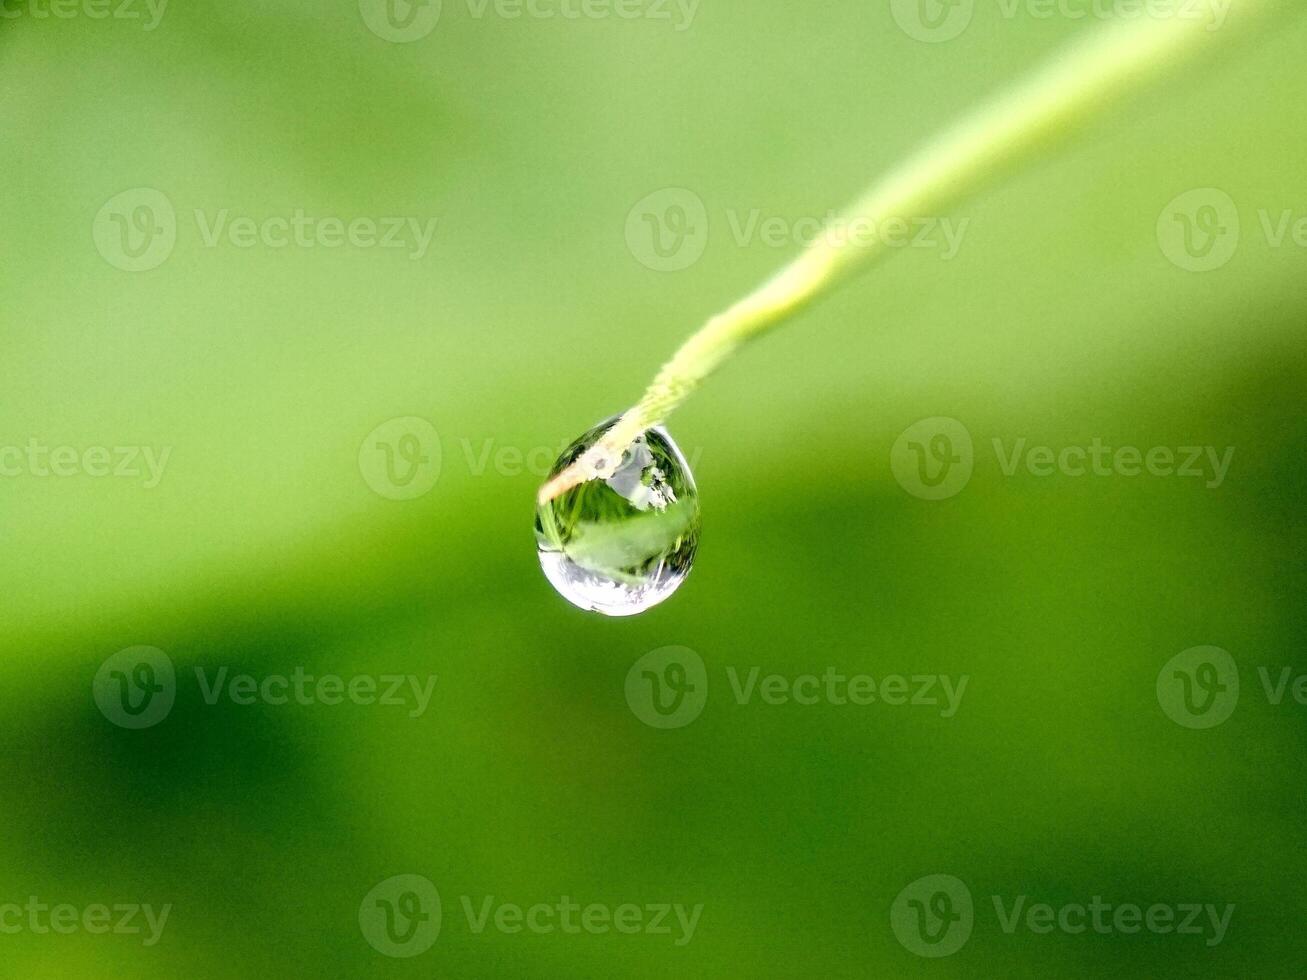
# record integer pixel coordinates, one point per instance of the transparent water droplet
(621, 545)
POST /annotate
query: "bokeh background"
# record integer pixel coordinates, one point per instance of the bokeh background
(265, 545)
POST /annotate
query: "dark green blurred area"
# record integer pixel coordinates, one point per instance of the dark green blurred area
(264, 549)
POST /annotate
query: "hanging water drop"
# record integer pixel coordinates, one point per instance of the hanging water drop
(622, 543)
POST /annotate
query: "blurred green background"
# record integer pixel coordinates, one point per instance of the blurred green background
(266, 546)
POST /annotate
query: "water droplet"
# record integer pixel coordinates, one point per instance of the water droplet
(621, 545)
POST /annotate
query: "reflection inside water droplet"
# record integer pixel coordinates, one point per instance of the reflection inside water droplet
(621, 545)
